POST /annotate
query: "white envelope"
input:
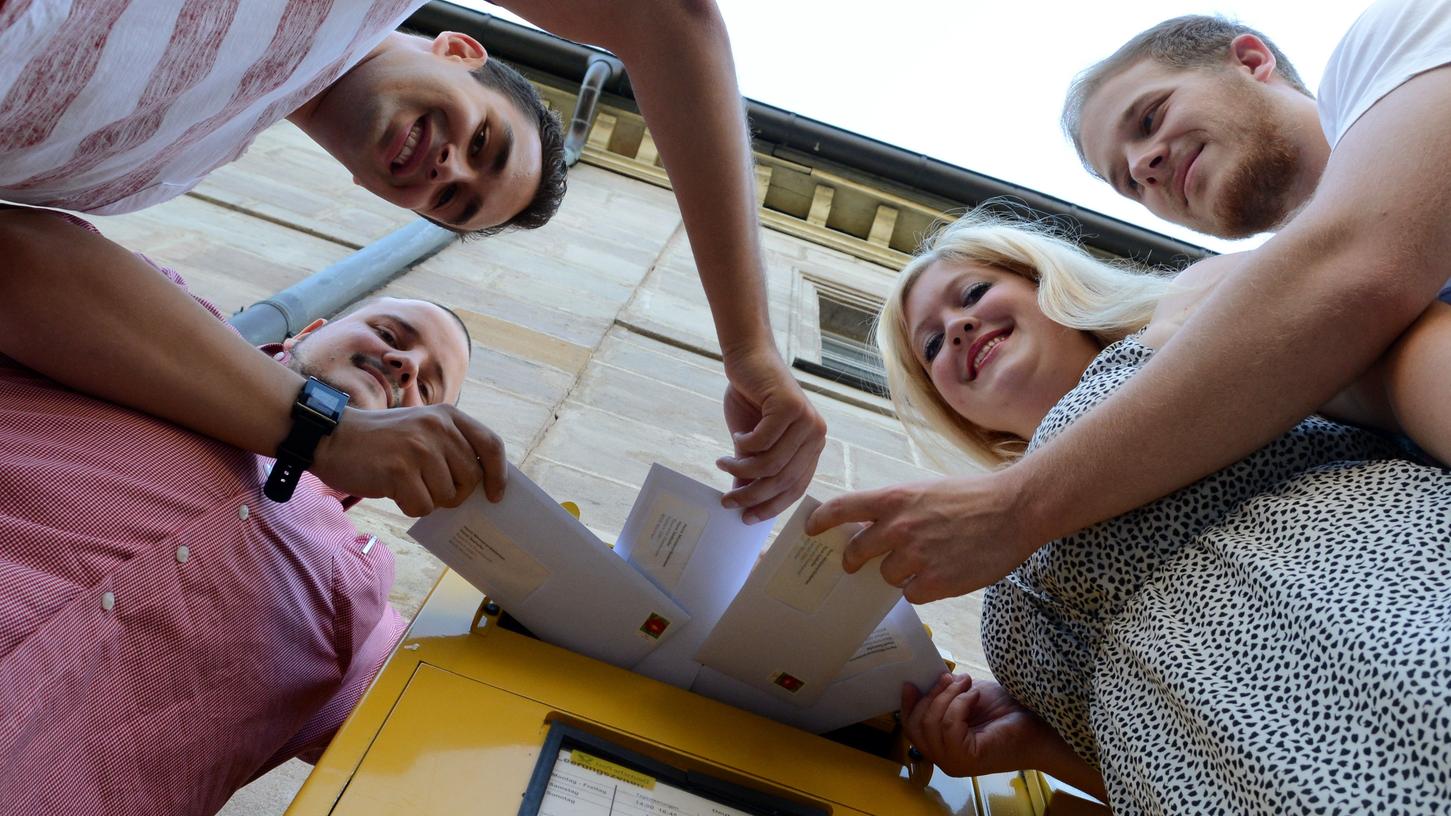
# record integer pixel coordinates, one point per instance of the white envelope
(697, 552)
(551, 573)
(799, 616)
(899, 651)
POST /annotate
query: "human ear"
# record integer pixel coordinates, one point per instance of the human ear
(308, 329)
(1250, 53)
(461, 47)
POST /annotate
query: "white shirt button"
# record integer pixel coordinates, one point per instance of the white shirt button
(108, 601)
(182, 553)
(243, 512)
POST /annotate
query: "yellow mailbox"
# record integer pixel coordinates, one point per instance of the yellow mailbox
(472, 717)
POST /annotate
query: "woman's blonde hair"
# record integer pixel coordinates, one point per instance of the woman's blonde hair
(1108, 300)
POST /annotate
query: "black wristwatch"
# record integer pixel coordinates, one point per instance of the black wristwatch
(317, 411)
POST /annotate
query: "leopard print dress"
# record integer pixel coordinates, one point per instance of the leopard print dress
(1273, 638)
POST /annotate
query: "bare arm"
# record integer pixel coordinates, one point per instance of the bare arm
(1306, 314)
(1407, 390)
(679, 60)
(91, 315)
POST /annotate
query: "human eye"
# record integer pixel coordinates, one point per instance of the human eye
(444, 197)
(387, 335)
(1151, 118)
(974, 293)
(931, 347)
(481, 138)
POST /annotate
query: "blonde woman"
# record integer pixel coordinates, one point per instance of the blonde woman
(1276, 636)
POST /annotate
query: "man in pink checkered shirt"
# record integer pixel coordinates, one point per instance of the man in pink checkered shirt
(166, 634)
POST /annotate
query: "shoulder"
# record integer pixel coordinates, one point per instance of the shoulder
(1392, 41)
(1190, 288)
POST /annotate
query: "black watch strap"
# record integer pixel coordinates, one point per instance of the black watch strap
(316, 413)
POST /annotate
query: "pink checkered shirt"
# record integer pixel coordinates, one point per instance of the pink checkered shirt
(166, 632)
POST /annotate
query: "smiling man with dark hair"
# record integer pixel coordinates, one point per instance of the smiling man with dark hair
(109, 106)
(436, 126)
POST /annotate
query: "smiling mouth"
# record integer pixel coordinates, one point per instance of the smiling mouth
(1184, 178)
(383, 383)
(982, 351)
(411, 152)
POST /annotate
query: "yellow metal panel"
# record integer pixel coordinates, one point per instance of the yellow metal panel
(455, 721)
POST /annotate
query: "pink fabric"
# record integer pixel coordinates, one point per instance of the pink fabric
(109, 106)
(208, 667)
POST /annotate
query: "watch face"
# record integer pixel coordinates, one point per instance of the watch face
(324, 399)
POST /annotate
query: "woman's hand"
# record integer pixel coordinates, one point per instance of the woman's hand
(970, 729)
(942, 538)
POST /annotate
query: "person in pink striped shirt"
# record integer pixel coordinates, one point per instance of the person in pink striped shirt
(166, 634)
(112, 105)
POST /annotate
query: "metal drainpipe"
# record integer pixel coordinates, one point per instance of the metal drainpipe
(324, 293)
(600, 70)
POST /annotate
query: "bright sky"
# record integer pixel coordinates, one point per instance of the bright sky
(980, 84)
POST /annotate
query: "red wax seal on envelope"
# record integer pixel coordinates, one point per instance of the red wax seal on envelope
(788, 682)
(655, 626)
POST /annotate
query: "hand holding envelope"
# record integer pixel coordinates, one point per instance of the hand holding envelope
(537, 561)
(791, 636)
(798, 589)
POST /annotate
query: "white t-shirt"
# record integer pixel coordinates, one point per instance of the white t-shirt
(109, 106)
(1391, 42)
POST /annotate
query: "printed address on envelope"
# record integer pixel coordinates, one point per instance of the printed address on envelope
(807, 575)
(674, 527)
(500, 562)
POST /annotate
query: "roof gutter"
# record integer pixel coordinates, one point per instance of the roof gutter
(784, 130)
(325, 293)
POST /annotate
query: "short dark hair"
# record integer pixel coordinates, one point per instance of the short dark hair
(1192, 41)
(552, 168)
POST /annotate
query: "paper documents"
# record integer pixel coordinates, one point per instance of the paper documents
(683, 598)
(899, 651)
(694, 550)
(556, 577)
(799, 616)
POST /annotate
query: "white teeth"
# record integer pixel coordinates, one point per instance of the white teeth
(986, 347)
(409, 146)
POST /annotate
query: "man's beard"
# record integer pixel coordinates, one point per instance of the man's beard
(299, 361)
(1256, 196)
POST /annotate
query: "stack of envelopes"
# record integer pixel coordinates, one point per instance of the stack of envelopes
(683, 598)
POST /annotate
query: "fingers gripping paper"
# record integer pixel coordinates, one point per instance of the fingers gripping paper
(799, 617)
(537, 561)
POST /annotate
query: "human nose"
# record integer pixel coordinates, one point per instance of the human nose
(447, 167)
(1149, 166)
(959, 332)
(404, 365)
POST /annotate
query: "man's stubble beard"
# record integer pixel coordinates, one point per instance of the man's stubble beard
(1256, 195)
(299, 361)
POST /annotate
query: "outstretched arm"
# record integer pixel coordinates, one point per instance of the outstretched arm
(971, 728)
(89, 314)
(679, 60)
(1304, 316)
